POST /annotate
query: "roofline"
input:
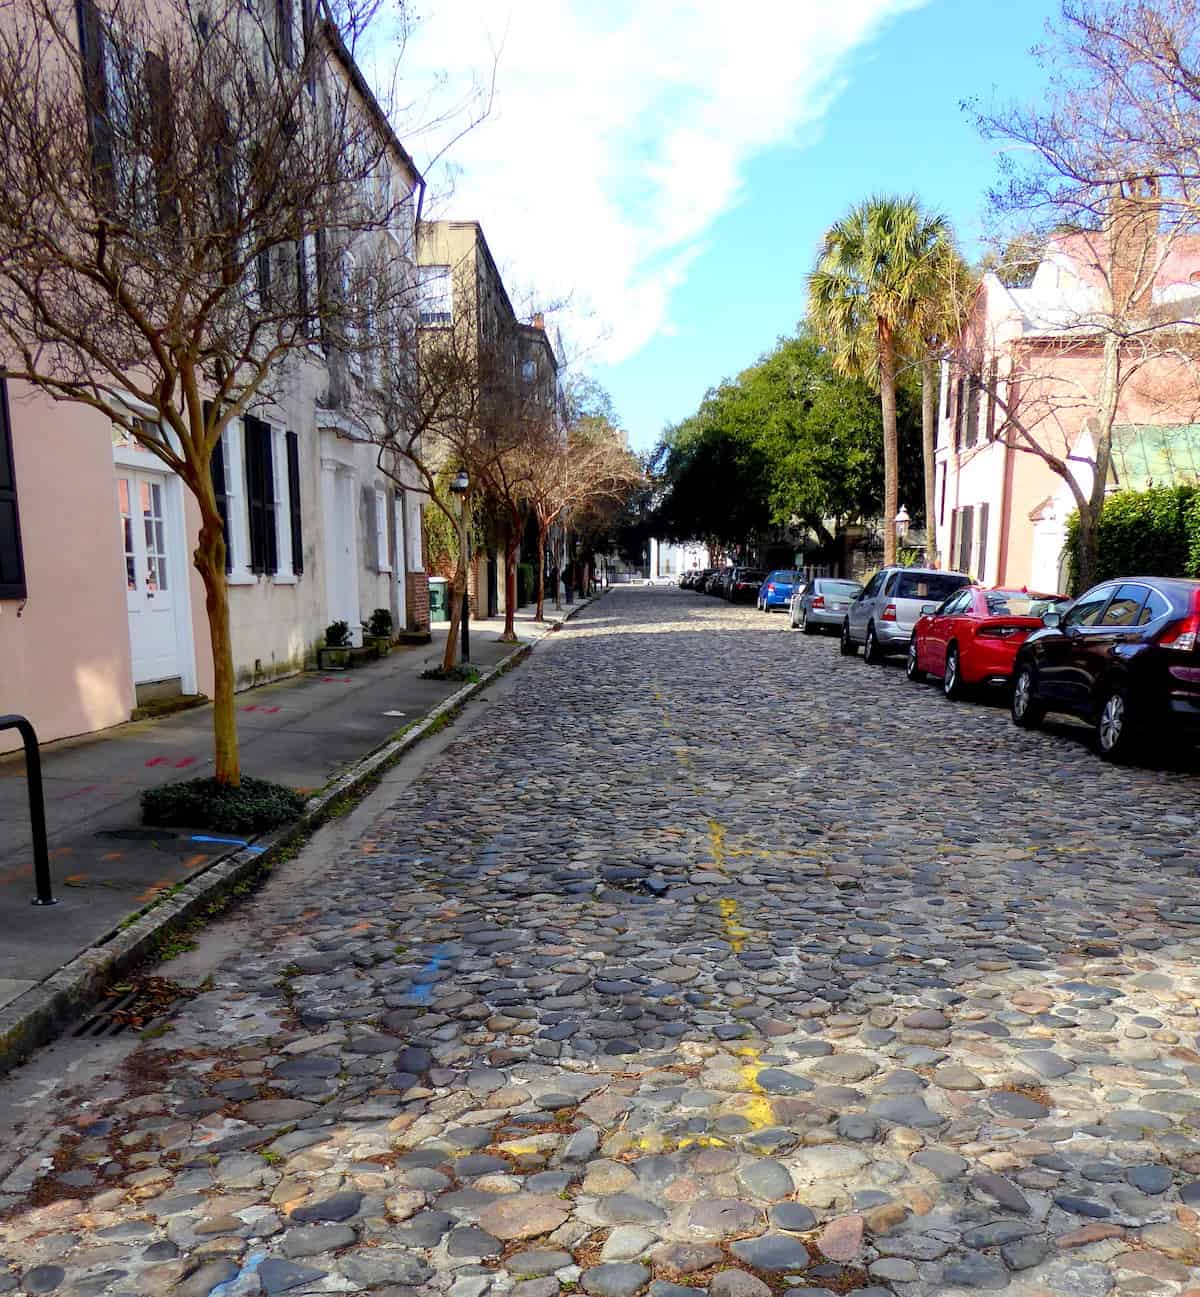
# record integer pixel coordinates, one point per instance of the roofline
(359, 82)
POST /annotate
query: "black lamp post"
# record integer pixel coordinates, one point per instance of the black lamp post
(460, 486)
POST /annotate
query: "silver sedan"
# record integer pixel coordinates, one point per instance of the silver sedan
(821, 603)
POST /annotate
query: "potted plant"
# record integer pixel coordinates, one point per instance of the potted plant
(378, 632)
(335, 655)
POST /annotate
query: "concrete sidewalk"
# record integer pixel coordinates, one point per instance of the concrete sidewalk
(302, 732)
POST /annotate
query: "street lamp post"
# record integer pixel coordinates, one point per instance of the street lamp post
(460, 486)
(901, 522)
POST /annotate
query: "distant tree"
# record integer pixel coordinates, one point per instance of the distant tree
(873, 275)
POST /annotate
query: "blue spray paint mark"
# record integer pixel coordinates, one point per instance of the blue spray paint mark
(252, 1263)
(423, 989)
(256, 851)
(232, 842)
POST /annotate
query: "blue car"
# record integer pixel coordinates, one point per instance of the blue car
(776, 590)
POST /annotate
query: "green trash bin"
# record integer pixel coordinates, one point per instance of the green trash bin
(439, 599)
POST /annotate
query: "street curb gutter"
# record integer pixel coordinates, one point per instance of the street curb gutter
(37, 1015)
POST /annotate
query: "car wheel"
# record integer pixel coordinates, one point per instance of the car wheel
(1027, 712)
(871, 653)
(848, 646)
(804, 626)
(911, 669)
(952, 681)
(1116, 731)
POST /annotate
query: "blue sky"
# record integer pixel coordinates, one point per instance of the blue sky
(663, 171)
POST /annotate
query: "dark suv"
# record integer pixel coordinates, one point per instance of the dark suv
(1123, 656)
(743, 584)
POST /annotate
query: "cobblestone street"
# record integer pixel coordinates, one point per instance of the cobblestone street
(708, 960)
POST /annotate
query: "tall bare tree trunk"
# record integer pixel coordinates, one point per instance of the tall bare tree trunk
(887, 403)
(512, 546)
(457, 587)
(929, 451)
(209, 561)
(540, 615)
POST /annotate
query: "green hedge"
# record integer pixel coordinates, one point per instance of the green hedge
(1146, 533)
(525, 584)
(252, 807)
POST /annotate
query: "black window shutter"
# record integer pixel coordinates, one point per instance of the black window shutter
(260, 496)
(293, 472)
(993, 376)
(158, 88)
(12, 560)
(965, 538)
(983, 540)
(95, 94)
(216, 470)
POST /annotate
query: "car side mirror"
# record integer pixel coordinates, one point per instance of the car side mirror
(1051, 618)
(928, 609)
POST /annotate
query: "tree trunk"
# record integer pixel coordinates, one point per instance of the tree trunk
(540, 615)
(454, 633)
(887, 403)
(511, 548)
(929, 450)
(209, 561)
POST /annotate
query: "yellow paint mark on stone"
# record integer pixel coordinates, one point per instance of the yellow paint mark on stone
(735, 934)
(716, 842)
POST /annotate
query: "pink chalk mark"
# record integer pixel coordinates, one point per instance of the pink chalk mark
(157, 761)
(187, 761)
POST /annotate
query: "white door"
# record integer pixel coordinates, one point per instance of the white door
(147, 539)
(401, 563)
(346, 592)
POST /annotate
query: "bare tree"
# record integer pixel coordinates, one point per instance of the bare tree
(181, 191)
(588, 464)
(448, 398)
(1105, 170)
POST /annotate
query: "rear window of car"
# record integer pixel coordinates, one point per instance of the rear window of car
(927, 585)
(1019, 603)
(782, 576)
(839, 587)
(747, 575)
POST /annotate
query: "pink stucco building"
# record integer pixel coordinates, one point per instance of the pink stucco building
(1032, 356)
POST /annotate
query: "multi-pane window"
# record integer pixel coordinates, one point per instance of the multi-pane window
(382, 558)
(151, 504)
(435, 295)
(125, 507)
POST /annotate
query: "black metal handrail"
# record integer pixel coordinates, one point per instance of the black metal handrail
(37, 807)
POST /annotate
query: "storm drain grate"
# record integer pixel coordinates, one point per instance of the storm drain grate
(132, 1007)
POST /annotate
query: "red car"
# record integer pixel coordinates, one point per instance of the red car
(973, 637)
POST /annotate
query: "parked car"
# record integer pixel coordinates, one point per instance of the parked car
(882, 618)
(715, 583)
(1124, 657)
(972, 638)
(743, 583)
(776, 590)
(822, 603)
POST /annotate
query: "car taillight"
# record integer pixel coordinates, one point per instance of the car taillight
(1182, 634)
(999, 632)
(818, 601)
(770, 589)
(889, 613)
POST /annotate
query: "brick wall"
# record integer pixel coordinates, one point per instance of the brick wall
(416, 585)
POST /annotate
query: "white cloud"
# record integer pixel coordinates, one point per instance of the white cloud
(621, 130)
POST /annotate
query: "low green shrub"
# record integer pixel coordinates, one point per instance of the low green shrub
(1143, 533)
(252, 807)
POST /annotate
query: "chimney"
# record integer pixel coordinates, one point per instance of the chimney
(1133, 231)
(539, 320)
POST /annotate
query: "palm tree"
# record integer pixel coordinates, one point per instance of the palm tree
(874, 274)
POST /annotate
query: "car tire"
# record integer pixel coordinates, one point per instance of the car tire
(848, 646)
(872, 654)
(804, 623)
(1116, 727)
(911, 669)
(952, 681)
(1026, 711)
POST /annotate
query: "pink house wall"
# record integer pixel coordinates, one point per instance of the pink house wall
(64, 652)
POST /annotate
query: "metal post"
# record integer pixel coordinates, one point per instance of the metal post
(37, 807)
(465, 542)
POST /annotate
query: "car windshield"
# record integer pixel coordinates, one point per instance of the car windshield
(934, 586)
(849, 588)
(1019, 603)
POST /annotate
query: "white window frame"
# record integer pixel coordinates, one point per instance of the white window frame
(237, 509)
(285, 573)
(383, 556)
(426, 299)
